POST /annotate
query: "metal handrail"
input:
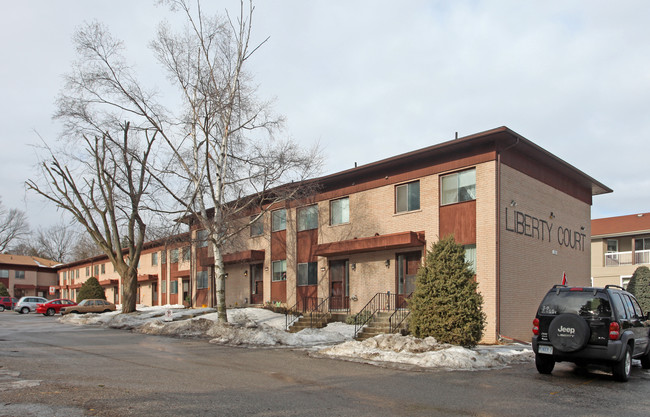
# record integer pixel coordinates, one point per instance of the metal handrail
(295, 317)
(382, 301)
(320, 311)
(297, 313)
(401, 313)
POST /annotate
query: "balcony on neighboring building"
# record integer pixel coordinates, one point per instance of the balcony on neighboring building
(627, 258)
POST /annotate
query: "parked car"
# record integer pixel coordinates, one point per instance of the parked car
(90, 306)
(53, 307)
(7, 303)
(591, 326)
(28, 304)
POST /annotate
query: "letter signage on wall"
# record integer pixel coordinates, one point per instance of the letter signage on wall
(536, 228)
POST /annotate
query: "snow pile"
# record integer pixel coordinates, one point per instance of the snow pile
(261, 327)
(425, 353)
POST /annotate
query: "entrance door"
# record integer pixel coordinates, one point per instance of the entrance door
(339, 285)
(154, 293)
(186, 291)
(257, 284)
(407, 269)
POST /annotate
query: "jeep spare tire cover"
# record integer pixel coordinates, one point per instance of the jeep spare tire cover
(568, 332)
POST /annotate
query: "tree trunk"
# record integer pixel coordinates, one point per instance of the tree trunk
(129, 290)
(220, 285)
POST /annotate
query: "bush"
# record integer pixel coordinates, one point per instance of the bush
(446, 304)
(91, 289)
(4, 292)
(639, 286)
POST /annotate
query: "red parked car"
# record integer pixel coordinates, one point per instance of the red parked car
(7, 303)
(53, 307)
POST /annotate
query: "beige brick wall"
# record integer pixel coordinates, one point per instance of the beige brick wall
(530, 265)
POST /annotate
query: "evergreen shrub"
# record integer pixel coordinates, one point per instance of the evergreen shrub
(91, 289)
(639, 286)
(446, 304)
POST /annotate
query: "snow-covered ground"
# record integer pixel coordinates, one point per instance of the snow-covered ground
(261, 327)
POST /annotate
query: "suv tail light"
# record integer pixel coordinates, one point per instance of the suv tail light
(536, 326)
(614, 332)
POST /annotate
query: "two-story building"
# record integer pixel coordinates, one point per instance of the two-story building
(619, 245)
(522, 214)
(28, 275)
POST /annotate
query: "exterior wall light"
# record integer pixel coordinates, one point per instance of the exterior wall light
(354, 267)
(387, 263)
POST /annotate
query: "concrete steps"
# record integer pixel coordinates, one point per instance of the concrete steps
(378, 325)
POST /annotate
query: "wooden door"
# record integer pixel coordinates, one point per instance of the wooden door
(407, 269)
(257, 284)
(339, 285)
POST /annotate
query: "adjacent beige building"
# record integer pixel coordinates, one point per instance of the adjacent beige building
(619, 245)
(28, 275)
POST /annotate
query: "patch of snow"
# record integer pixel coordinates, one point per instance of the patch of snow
(264, 328)
(425, 353)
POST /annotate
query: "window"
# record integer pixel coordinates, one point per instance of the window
(458, 187)
(87, 270)
(154, 258)
(280, 270)
(174, 256)
(103, 268)
(202, 239)
(202, 279)
(407, 197)
(612, 245)
(278, 220)
(257, 226)
(186, 254)
(163, 257)
(173, 287)
(163, 287)
(308, 273)
(340, 211)
(4, 273)
(96, 271)
(640, 244)
(20, 274)
(470, 257)
(308, 218)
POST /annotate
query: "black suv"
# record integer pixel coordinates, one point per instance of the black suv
(591, 325)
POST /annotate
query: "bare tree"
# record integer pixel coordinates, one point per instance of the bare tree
(13, 226)
(228, 155)
(100, 175)
(55, 242)
(84, 247)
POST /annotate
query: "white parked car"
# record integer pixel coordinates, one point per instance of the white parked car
(28, 304)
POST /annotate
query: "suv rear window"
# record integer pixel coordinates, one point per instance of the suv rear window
(582, 303)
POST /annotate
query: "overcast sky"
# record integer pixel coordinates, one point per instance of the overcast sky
(373, 79)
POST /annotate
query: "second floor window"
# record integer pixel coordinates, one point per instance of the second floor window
(340, 211)
(407, 197)
(186, 253)
(87, 270)
(173, 287)
(96, 271)
(201, 238)
(154, 259)
(4, 273)
(458, 187)
(278, 220)
(174, 256)
(641, 244)
(103, 268)
(612, 245)
(308, 218)
(257, 226)
(20, 274)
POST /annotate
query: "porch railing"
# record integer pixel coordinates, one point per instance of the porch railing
(296, 311)
(627, 258)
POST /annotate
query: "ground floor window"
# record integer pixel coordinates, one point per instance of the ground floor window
(279, 270)
(202, 279)
(308, 273)
(173, 287)
(470, 257)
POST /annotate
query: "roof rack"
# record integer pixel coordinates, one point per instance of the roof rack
(614, 286)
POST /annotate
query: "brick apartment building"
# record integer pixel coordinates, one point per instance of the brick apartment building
(522, 214)
(619, 245)
(28, 275)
